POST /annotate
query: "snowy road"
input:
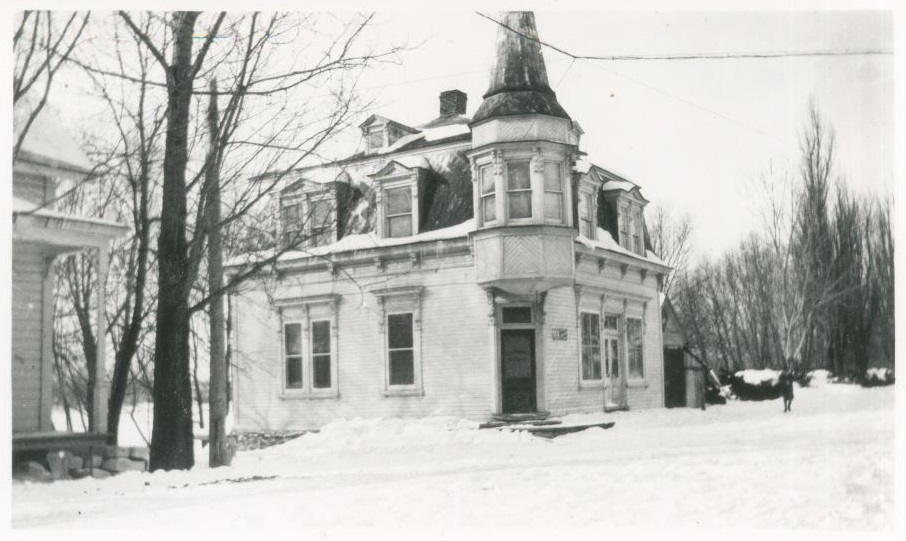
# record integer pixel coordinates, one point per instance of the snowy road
(828, 465)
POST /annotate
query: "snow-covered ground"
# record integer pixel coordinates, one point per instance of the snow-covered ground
(828, 465)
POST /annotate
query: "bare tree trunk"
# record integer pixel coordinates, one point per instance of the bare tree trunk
(217, 400)
(171, 436)
(199, 399)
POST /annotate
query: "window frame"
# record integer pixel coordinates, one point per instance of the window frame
(632, 348)
(287, 203)
(306, 312)
(561, 219)
(519, 191)
(285, 356)
(395, 301)
(405, 186)
(326, 230)
(490, 195)
(587, 347)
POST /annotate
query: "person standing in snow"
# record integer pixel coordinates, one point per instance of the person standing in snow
(786, 389)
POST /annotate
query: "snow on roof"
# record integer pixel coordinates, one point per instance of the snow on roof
(47, 141)
(624, 185)
(443, 132)
(21, 206)
(411, 162)
(363, 241)
(606, 242)
(582, 166)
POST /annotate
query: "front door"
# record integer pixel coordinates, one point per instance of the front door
(517, 359)
(614, 388)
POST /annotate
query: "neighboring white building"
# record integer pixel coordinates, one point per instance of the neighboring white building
(40, 233)
(465, 267)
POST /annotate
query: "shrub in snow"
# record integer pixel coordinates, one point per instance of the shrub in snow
(878, 376)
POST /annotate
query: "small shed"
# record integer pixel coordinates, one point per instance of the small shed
(684, 377)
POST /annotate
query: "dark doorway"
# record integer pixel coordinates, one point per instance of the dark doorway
(674, 378)
(517, 368)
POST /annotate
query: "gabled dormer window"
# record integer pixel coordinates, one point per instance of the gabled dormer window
(375, 138)
(398, 212)
(586, 214)
(308, 220)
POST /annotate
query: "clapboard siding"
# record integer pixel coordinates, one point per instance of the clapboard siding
(27, 317)
(33, 188)
(455, 369)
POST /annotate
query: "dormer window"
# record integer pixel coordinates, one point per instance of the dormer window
(308, 220)
(375, 138)
(398, 212)
(586, 213)
(519, 189)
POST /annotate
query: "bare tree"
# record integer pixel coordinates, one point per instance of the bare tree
(671, 239)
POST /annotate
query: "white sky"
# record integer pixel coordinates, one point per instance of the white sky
(693, 134)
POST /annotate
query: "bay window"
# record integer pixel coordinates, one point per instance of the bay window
(519, 189)
(553, 192)
(488, 194)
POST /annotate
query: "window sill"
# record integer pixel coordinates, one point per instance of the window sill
(637, 383)
(591, 384)
(289, 395)
(403, 393)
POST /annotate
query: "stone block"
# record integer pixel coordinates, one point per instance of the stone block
(96, 461)
(100, 474)
(59, 463)
(113, 451)
(32, 471)
(140, 453)
(75, 463)
(116, 465)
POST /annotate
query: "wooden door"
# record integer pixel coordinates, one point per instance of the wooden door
(674, 378)
(517, 360)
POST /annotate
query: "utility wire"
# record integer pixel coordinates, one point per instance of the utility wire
(694, 56)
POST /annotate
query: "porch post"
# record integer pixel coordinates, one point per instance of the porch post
(101, 386)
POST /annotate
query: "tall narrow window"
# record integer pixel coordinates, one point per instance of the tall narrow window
(637, 233)
(320, 354)
(586, 213)
(488, 195)
(591, 347)
(320, 222)
(553, 191)
(624, 228)
(519, 189)
(292, 222)
(399, 212)
(611, 347)
(375, 138)
(292, 352)
(400, 349)
(634, 348)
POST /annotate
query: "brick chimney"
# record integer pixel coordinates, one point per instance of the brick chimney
(453, 102)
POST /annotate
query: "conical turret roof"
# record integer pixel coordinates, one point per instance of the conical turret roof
(518, 79)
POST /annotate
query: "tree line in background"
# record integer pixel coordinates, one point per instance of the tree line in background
(814, 288)
(192, 105)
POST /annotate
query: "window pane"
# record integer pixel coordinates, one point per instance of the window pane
(517, 176)
(321, 237)
(489, 208)
(613, 357)
(292, 336)
(402, 369)
(291, 214)
(321, 369)
(399, 329)
(610, 322)
(517, 314)
(552, 177)
(399, 201)
(320, 337)
(520, 205)
(320, 213)
(591, 363)
(591, 334)
(487, 180)
(294, 372)
(376, 138)
(553, 207)
(400, 226)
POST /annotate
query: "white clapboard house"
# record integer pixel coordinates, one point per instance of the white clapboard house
(466, 267)
(40, 233)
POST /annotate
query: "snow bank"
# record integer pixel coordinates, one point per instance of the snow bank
(759, 377)
(358, 433)
(880, 376)
(817, 378)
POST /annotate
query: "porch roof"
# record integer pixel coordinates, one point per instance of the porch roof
(63, 232)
